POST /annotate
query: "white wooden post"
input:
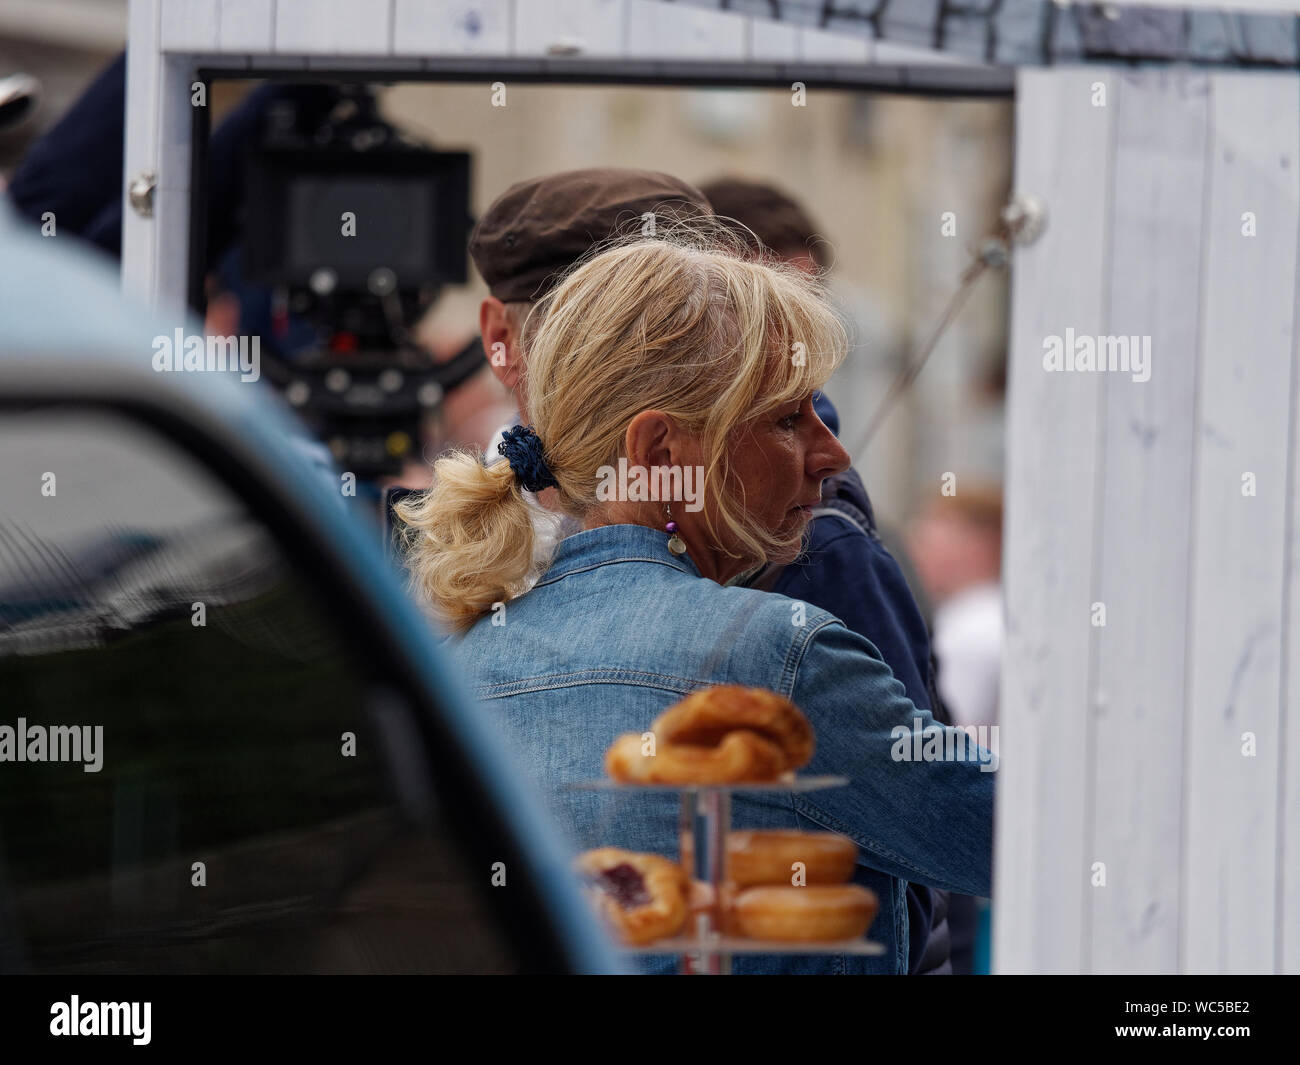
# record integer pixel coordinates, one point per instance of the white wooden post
(1062, 155)
(1174, 212)
(1231, 850)
(168, 38)
(143, 74)
(158, 117)
(1138, 685)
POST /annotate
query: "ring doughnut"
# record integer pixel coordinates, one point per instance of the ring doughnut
(704, 717)
(642, 897)
(755, 857)
(822, 912)
(739, 756)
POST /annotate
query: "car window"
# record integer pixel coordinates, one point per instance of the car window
(196, 762)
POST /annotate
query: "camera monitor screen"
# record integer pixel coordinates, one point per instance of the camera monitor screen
(352, 213)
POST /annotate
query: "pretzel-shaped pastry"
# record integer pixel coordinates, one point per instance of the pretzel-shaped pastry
(740, 756)
(726, 734)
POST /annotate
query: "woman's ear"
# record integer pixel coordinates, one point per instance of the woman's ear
(652, 440)
(500, 343)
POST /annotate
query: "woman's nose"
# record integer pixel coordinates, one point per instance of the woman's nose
(827, 457)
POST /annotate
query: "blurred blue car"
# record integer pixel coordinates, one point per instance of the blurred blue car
(229, 742)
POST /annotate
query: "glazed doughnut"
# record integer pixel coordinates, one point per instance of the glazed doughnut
(823, 912)
(704, 717)
(768, 857)
(642, 897)
(740, 756)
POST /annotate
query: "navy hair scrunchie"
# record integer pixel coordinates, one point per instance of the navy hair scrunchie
(523, 448)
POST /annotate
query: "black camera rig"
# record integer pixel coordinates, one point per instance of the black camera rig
(354, 226)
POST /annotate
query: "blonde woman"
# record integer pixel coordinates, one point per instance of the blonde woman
(676, 353)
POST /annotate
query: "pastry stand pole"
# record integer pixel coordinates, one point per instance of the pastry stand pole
(705, 821)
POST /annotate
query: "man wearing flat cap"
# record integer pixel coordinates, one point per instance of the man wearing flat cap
(536, 230)
(530, 236)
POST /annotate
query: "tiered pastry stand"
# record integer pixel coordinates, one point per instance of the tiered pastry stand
(704, 823)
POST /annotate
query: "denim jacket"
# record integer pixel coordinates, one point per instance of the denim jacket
(619, 628)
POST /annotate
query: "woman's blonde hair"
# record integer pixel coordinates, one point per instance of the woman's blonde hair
(681, 323)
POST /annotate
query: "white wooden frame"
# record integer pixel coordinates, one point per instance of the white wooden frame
(495, 39)
(1121, 744)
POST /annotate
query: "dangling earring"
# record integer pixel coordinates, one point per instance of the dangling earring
(675, 543)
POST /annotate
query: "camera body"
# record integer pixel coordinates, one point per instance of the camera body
(354, 228)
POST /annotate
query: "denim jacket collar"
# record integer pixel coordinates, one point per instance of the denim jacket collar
(614, 543)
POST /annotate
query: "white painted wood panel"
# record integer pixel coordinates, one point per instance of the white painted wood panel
(823, 46)
(1288, 909)
(455, 27)
(657, 30)
(570, 27)
(334, 27)
(246, 26)
(1062, 155)
(773, 42)
(1139, 682)
(143, 73)
(171, 212)
(1230, 864)
(906, 55)
(189, 26)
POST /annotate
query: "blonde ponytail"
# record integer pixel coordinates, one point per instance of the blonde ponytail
(469, 538)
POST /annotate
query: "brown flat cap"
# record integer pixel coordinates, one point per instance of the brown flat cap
(776, 218)
(537, 229)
